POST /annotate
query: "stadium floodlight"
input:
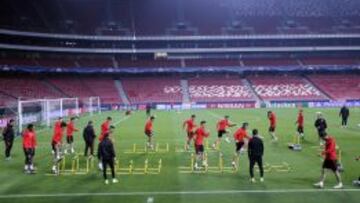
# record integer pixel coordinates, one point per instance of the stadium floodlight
(42, 112)
(92, 105)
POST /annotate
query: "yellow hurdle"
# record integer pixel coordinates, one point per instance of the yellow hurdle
(143, 150)
(132, 170)
(217, 168)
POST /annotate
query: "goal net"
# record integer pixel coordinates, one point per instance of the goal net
(42, 112)
(91, 105)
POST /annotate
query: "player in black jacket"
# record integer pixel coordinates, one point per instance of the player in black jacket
(320, 124)
(107, 155)
(255, 153)
(9, 135)
(89, 137)
(344, 113)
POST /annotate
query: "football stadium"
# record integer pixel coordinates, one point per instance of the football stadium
(180, 101)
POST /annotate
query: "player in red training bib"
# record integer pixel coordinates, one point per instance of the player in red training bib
(330, 161)
(56, 145)
(200, 134)
(221, 127)
(29, 145)
(70, 129)
(148, 130)
(300, 124)
(240, 136)
(189, 125)
(272, 119)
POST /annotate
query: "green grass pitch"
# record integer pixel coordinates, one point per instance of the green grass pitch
(170, 185)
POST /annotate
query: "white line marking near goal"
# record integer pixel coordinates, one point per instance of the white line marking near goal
(170, 193)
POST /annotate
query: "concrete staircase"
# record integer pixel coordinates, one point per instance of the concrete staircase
(308, 81)
(121, 92)
(256, 96)
(185, 91)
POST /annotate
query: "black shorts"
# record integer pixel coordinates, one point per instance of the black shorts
(69, 139)
(239, 145)
(300, 129)
(29, 151)
(199, 149)
(330, 164)
(190, 135)
(221, 133)
(148, 133)
(272, 129)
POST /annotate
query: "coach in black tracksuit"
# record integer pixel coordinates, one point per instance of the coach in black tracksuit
(320, 124)
(89, 137)
(255, 153)
(9, 135)
(344, 113)
(107, 155)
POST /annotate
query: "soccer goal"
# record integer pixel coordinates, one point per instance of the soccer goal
(91, 105)
(42, 112)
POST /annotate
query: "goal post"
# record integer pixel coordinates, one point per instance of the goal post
(92, 105)
(42, 112)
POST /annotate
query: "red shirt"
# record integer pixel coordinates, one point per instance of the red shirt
(240, 134)
(29, 139)
(57, 126)
(300, 120)
(190, 125)
(70, 129)
(105, 127)
(330, 149)
(149, 126)
(200, 133)
(58, 135)
(272, 120)
(223, 124)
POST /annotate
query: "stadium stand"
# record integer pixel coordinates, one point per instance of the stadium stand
(71, 86)
(228, 17)
(340, 87)
(103, 87)
(284, 88)
(151, 89)
(27, 88)
(218, 89)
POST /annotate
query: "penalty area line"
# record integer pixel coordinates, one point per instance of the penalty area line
(170, 193)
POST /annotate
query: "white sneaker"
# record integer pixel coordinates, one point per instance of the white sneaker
(338, 186)
(100, 166)
(114, 180)
(106, 182)
(204, 163)
(356, 182)
(227, 140)
(319, 184)
(252, 180)
(261, 179)
(196, 167)
(72, 150)
(213, 146)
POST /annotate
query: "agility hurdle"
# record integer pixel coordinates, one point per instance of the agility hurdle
(209, 148)
(75, 166)
(136, 149)
(218, 167)
(283, 167)
(179, 149)
(132, 170)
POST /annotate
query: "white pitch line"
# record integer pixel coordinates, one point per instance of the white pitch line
(170, 193)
